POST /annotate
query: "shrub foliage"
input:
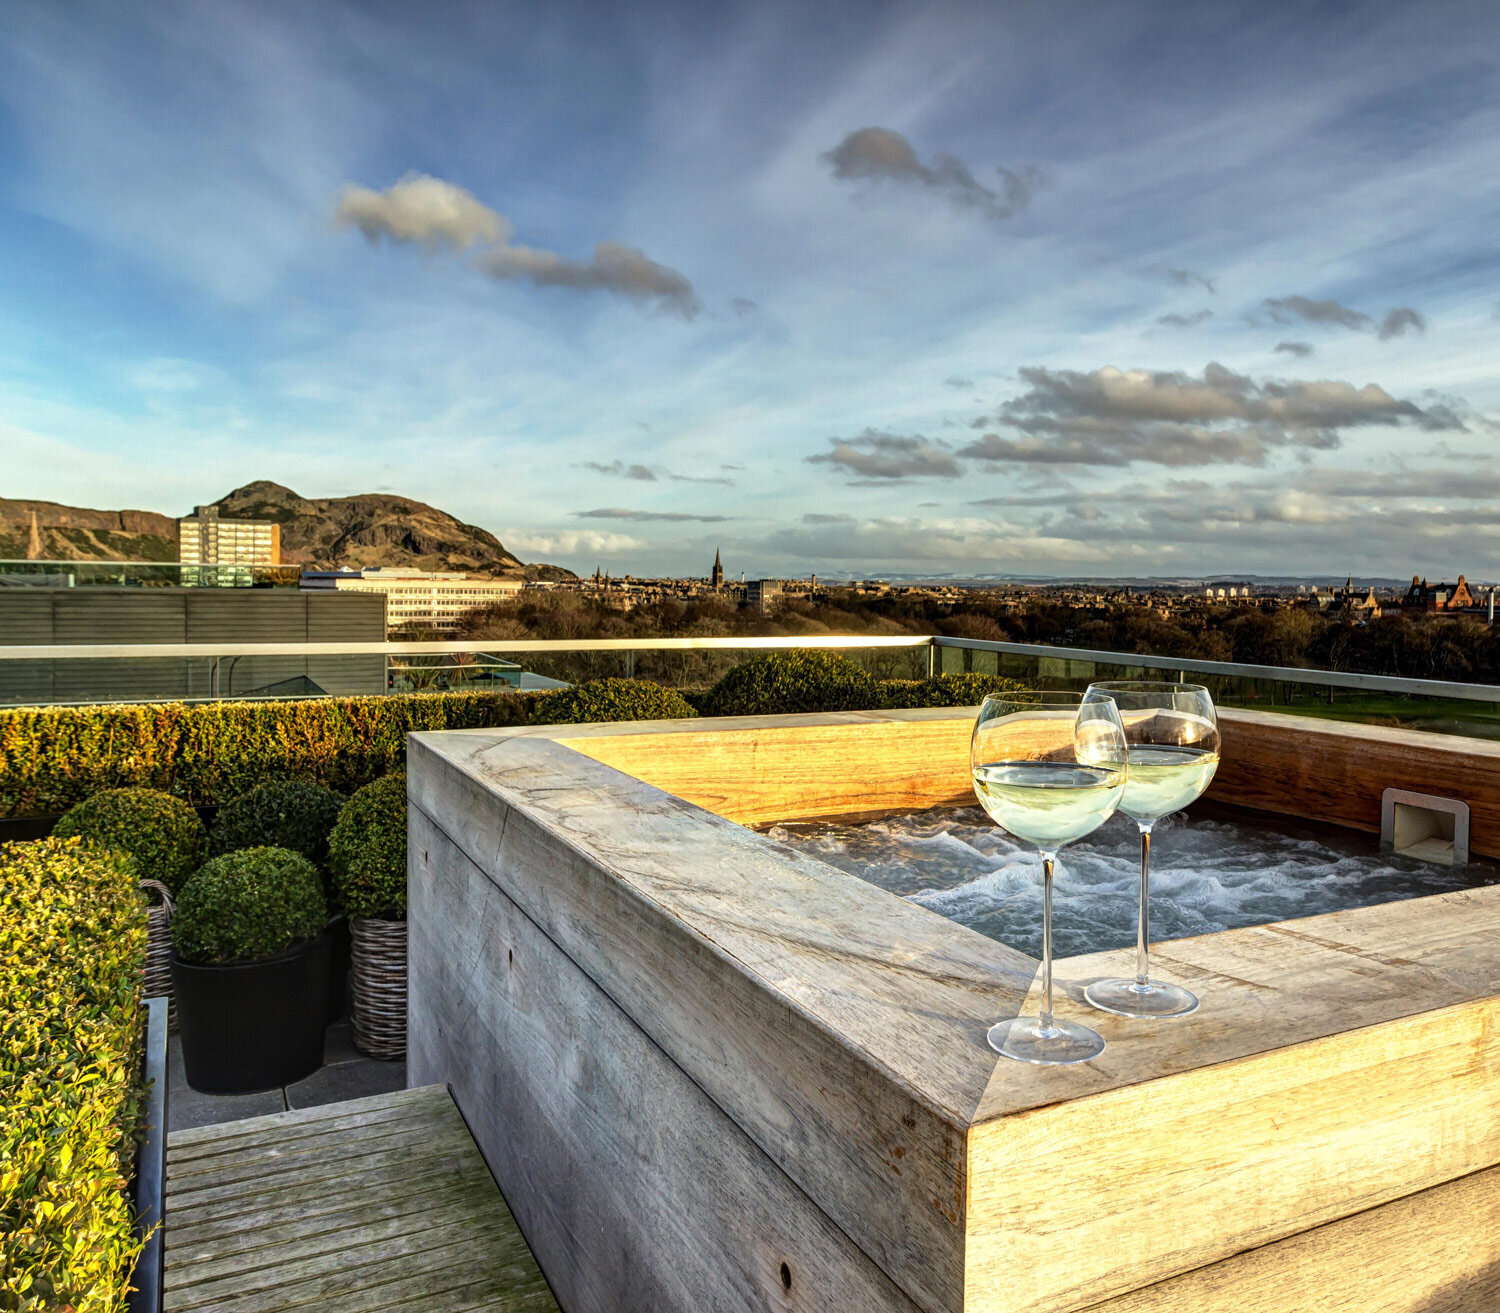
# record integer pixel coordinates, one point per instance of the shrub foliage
(162, 834)
(295, 814)
(248, 905)
(367, 850)
(211, 753)
(611, 699)
(72, 948)
(967, 690)
(783, 682)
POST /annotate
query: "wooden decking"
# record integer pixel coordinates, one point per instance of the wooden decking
(380, 1203)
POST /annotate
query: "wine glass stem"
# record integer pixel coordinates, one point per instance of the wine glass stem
(1047, 862)
(1143, 929)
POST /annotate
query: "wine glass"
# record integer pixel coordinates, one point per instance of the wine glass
(1049, 768)
(1173, 736)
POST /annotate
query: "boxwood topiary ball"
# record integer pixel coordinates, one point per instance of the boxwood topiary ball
(293, 814)
(611, 699)
(161, 834)
(793, 681)
(248, 905)
(367, 850)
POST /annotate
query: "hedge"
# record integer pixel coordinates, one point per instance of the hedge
(611, 699)
(793, 681)
(72, 948)
(210, 753)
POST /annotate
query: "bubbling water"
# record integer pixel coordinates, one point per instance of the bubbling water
(1206, 875)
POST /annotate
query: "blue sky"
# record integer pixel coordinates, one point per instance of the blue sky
(1053, 288)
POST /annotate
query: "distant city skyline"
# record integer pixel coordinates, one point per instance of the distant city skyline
(1074, 290)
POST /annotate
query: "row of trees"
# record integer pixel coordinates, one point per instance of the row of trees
(1428, 647)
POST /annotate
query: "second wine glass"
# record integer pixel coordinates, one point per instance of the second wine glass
(1172, 734)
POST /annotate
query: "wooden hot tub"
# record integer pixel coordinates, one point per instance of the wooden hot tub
(713, 1073)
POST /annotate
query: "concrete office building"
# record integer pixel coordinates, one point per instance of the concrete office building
(109, 616)
(205, 539)
(416, 597)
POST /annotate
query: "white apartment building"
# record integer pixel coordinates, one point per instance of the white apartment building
(432, 599)
(204, 539)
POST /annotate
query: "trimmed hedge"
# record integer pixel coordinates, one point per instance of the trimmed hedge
(611, 699)
(72, 949)
(211, 753)
(785, 682)
(945, 690)
(248, 905)
(160, 833)
(295, 814)
(367, 850)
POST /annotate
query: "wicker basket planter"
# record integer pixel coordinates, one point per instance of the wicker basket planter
(159, 948)
(378, 986)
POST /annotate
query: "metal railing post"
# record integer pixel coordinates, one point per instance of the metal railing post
(932, 658)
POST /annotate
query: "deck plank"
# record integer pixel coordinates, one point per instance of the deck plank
(378, 1203)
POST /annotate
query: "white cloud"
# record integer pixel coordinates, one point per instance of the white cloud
(421, 209)
(568, 542)
(432, 213)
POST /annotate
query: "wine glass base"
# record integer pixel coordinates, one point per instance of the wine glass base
(1127, 998)
(1060, 1044)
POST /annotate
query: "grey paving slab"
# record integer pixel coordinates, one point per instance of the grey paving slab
(347, 1080)
(187, 1107)
(346, 1074)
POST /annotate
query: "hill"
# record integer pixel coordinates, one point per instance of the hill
(75, 533)
(323, 532)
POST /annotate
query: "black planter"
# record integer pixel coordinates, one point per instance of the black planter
(253, 1025)
(339, 949)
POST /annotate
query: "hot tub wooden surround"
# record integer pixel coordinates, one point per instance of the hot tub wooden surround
(713, 1073)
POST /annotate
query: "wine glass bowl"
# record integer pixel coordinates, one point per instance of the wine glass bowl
(1049, 768)
(1172, 738)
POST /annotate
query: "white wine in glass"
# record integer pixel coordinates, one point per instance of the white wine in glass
(1172, 734)
(1050, 768)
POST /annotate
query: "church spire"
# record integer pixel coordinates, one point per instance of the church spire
(716, 580)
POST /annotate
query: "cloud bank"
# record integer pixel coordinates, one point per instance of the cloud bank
(436, 215)
(875, 455)
(1118, 417)
(666, 517)
(881, 155)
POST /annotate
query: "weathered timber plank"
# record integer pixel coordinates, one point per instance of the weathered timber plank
(378, 1169)
(337, 1226)
(383, 1257)
(397, 1105)
(1246, 1152)
(278, 1132)
(775, 773)
(262, 1161)
(308, 1224)
(318, 1206)
(326, 1253)
(637, 1193)
(1331, 771)
(1433, 1252)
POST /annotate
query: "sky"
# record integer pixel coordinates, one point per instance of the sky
(1054, 289)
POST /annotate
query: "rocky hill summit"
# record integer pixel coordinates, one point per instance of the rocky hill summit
(322, 533)
(369, 529)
